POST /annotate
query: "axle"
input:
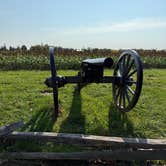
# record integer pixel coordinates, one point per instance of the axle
(61, 81)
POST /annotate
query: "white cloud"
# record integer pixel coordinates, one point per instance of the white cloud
(131, 25)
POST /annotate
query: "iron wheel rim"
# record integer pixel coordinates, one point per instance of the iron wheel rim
(129, 68)
(54, 82)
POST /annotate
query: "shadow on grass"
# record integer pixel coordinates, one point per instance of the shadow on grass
(75, 122)
(42, 121)
(120, 124)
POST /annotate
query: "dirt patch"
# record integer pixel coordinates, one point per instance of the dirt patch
(46, 92)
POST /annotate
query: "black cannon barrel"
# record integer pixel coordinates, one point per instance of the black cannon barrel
(104, 62)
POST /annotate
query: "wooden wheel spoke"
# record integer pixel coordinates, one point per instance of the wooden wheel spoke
(120, 68)
(133, 82)
(132, 73)
(130, 90)
(118, 93)
(129, 67)
(127, 96)
(124, 103)
(120, 99)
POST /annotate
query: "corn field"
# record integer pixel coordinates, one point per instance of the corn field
(36, 57)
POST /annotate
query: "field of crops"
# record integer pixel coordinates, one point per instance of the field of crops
(29, 62)
(36, 57)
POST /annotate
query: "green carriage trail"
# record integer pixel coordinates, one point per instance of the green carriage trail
(23, 96)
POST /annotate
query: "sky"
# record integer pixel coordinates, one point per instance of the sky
(84, 23)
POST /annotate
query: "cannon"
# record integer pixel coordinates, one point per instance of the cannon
(126, 80)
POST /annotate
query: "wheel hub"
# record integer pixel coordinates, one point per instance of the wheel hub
(123, 81)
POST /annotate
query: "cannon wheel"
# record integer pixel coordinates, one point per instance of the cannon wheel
(55, 84)
(127, 91)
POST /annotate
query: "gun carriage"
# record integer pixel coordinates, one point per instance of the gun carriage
(126, 80)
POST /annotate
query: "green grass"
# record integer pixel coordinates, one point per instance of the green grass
(23, 96)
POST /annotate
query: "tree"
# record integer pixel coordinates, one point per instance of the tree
(23, 48)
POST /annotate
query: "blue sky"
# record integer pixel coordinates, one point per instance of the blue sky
(84, 23)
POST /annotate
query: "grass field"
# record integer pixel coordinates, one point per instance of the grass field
(23, 96)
